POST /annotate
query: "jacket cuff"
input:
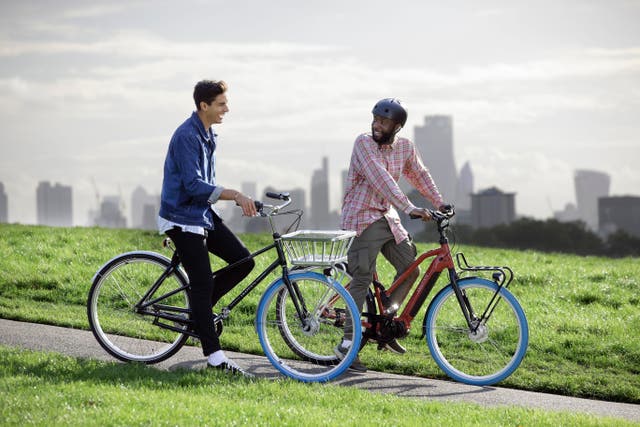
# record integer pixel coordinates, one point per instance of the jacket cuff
(213, 198)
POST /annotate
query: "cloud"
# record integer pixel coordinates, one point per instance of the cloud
(94, 10)
(105, 90)
(142, 44)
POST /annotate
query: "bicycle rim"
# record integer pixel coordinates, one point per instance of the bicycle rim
(119, 328)
(490, 354)
(303, 349)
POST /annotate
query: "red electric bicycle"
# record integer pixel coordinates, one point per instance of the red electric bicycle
(475, 328)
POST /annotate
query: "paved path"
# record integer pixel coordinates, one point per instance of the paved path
(79, 343)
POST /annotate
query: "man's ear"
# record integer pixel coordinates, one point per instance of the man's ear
(203, 106)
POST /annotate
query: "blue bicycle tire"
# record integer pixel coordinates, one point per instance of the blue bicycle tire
(491, 354)
(320, 337)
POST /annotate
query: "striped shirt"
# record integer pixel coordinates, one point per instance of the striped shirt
(372, 190)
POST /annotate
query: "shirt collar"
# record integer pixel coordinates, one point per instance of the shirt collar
(382, 147)
(207, 135)
(385, 147)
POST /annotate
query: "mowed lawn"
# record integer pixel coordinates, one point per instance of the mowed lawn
(583, 312)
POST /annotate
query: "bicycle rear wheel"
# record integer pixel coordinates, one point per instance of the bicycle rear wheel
(301, 347)
(497, 347)
(121, 328)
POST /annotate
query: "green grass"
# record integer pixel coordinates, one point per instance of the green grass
(48, 389)
(583, 312)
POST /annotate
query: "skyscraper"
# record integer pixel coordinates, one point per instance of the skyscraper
(110, 214)
(298, 201)
(491, 207)
(434, 141)
(4, 205)
(54, 204)
(144, 209)
(619, 213)
(463, 195)
(320, 217)
(465, 188)
(232, 213)
(590, 185)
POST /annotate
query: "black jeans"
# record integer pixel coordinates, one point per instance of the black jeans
(207, 290)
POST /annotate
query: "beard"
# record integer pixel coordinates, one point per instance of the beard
(384, 138)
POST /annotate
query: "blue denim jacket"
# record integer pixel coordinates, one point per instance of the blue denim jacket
(189, 182)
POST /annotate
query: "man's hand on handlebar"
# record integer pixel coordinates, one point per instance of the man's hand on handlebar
(420, 213)
(247, 205)
(446, 209)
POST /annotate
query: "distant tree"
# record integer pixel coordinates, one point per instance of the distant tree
(527, 233)
(623, 244)
(547, 236)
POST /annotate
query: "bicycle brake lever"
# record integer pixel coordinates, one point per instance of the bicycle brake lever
(259, 207)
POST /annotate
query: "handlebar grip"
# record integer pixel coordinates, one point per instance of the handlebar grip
(279, 196)
(259, 205)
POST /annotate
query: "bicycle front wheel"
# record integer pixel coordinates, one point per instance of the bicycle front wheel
(494, 350)
(122, 328)
(299, 326)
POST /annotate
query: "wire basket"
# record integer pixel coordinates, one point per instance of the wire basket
(317, 247)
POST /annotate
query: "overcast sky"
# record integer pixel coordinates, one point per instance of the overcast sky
(92, 91)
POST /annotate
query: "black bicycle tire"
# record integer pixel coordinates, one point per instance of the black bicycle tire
(94, 322)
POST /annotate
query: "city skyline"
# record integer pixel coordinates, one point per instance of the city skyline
(140, 209)
(529, 107)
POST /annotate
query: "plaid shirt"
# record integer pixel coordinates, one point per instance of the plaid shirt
(372, 184)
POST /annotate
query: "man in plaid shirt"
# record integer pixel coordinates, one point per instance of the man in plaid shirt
(370, 206)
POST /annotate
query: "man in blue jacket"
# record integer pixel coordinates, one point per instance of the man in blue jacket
(189, 192)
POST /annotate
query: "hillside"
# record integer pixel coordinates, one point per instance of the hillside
(583, 312)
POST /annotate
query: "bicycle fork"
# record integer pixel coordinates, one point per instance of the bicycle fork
(298, 301)
(465, 305)
(473, 321)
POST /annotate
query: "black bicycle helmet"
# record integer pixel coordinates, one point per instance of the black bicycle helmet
(391, 108)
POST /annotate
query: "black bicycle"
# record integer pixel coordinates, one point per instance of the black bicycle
(138, 305)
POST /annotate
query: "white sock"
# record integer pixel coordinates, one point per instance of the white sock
(346, 343)
(216, 358)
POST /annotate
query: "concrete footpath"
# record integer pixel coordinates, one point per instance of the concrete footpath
(79, 343)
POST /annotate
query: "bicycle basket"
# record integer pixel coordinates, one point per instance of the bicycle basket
(317, 247)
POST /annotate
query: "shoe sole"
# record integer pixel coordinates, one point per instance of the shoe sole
(392, 350)
(232, 372)
(360, 370)
(340, 356)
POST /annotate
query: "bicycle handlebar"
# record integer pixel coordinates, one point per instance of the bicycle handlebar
(260, 206)
(437, 215)
(279, 196)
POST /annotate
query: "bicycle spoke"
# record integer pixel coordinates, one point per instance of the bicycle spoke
(304, 348)
(114, 320)
(488, 354)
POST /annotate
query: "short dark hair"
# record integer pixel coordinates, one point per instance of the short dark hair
(207, 90)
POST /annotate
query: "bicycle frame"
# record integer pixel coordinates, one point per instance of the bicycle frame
(153, 306)
(442, 260)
